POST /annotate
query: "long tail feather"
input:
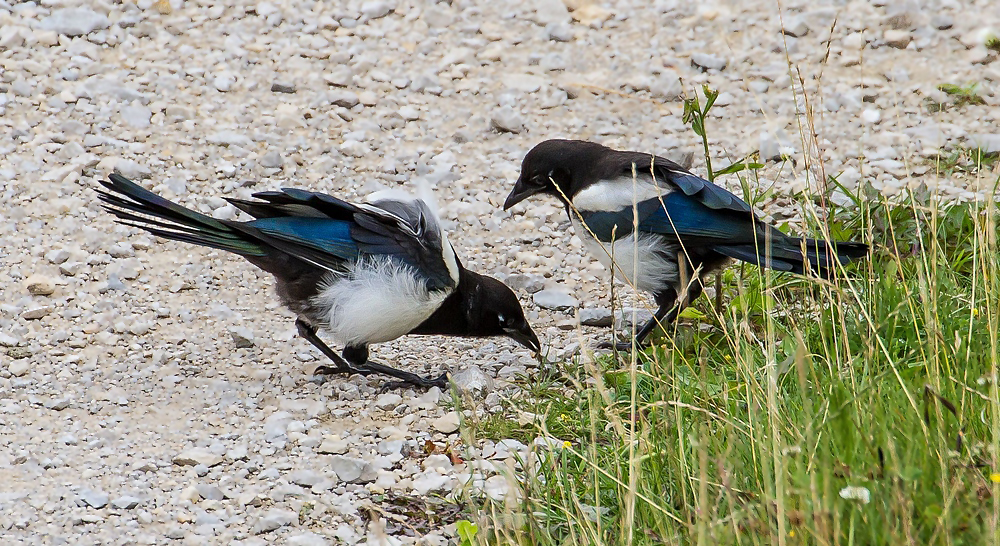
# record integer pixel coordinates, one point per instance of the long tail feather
(124, 198)
(786, 254)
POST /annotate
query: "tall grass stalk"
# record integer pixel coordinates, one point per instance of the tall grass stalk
(859, 411)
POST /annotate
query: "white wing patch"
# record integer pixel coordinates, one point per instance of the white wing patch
(615, 195)
(376, 300)
(424, 206)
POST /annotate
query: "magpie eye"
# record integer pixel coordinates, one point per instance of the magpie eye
(503, 320)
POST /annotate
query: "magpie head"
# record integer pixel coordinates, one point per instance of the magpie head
(495, 311)
(549, 168)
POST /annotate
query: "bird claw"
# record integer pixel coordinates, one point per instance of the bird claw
(440, 382)
(621, 347)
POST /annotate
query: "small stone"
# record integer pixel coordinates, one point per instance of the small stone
(19, 367)
(346, 99)
(595, 316)
(525, 281)
(95, 498)
(472, 380)
(39, 285)
(224, 82)
(56, 405)
(707, 61)
(18, 353)
(871, 116)
(57, 256)
(497, 487)
(35, 313)
(136, 116)
(555, 298)
(307, 539)
(388, 400)
(11, 37)
(70, 269)
(430, 481)
(447, 423)
(126, 502)
(229, 138)
(333, 445)
(591, 14)
(132, 170)
(340, 76)
(796, 27)
(274, 519)
(138, 328)
(305, 478)
(506, 120)
(349, 469)
(8, 340)
(282, 87)
(209, 491)
(559, 32)
(177, 113)
(549, 12)
(989, 143)
(409, 113)
(900, 21)
(666, 87)
(197, 456)
(942, 22)
(74, 21)
(189, 494)
(21, 88)
(376, 9)
(272, 160)
(898, 39)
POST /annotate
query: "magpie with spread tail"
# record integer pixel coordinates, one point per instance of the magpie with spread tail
(366, 273)
(687, 227)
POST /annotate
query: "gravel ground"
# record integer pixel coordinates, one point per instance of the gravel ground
(152, 391)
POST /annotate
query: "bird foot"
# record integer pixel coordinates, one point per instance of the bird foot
(621, 346)
(440, 382)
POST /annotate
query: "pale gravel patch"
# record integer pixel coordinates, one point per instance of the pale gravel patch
(159, 391)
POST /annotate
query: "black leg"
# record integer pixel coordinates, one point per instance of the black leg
(665, 303)
(669, 308)
(355, 361)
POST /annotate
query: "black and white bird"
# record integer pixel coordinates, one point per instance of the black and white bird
(365, 274)
(665, 227)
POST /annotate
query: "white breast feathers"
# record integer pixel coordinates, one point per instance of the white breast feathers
(377, 299)
(646, 266)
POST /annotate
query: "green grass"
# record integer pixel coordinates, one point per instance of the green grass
(862, 411)
(748, 431)
(959, 95)
(965, 161)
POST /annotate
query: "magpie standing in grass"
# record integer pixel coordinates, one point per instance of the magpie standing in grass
(687, 227)
(365, 274)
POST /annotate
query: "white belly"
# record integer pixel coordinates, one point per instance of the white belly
(375, 301)
(640, 265)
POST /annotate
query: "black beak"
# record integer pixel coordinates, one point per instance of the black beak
(525, 337)
(520, 192)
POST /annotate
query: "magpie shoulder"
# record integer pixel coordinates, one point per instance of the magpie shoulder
(408, 229)
(671, 176)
